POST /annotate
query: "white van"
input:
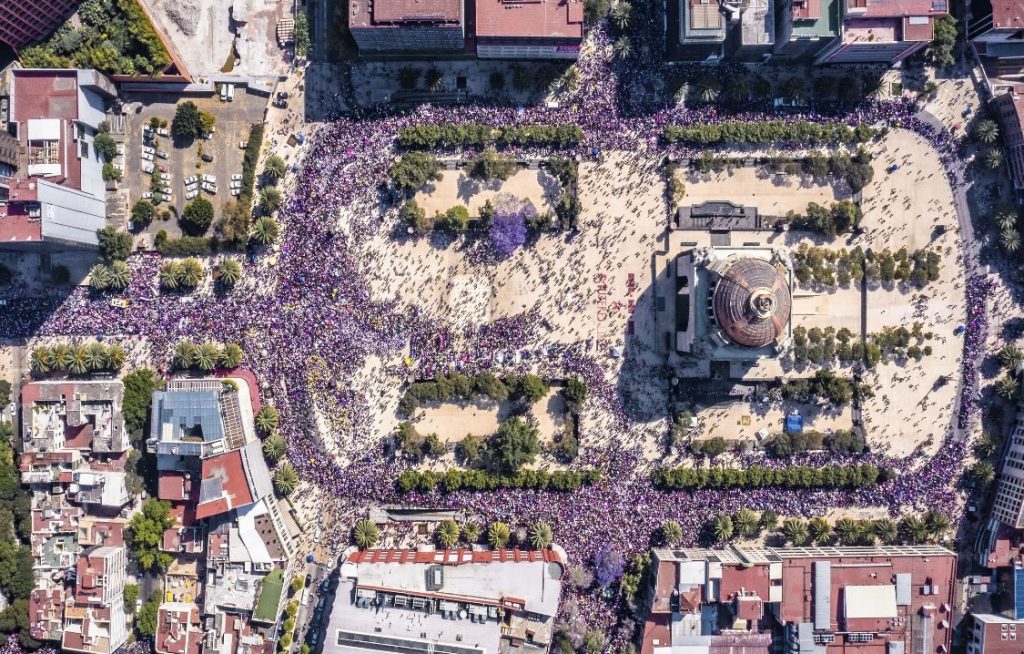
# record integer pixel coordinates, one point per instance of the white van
(223, 92)
(231, 92)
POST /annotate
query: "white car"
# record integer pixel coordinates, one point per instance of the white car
(236, 191)
(162, 154)
(160, 197)
(242, 145)
(166, 191)
(147, 195)
(147, 167)
(146, 156)
(236, 184)
(209, 188)
(120, 148)
(207, 135)
(191, 180)
(191, 194)
(212, 179)
(149, 149)
(163, 132)
(237, 177)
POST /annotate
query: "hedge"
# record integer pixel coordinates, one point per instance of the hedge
(481, 480)
(249, 160)
(771, 131)
(186, 246)
(826, 477)
(476, 134)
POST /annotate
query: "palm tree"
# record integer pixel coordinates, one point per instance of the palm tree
(621, 15)
(365, 534)
(274, 448)
(864, 532)
(115, 357)
(471, 532)
(99, 277)
(229, 272)
(79, 361)
(914, 530)
(118, 276)
(96, 356)
(498, 534)
(769, 520)
(671, 532)
(987, 445)
(1011, 356)
(795, 89)
(275, 168)
(846, 531)
(983, 473)
(745, 522)
(169, 275)
(207, 356)
(185, 354)
(623, 47)
(993, 158)
(267, 419)
(886, 531)
(265, 230)
(190, 273)
(447, 533)
(62, 356)
(794, 530)
(1009, 240)
(435, 79)
(987, 132)
(42, 360)
(737, 87)
(270, 200)
(285, 480)
(708, 89)
(1006, 218)
(1007, 387)
(820, 530)
(873, 85)
(938, 524)
(722, 528)
(231, 356)
(540, 535)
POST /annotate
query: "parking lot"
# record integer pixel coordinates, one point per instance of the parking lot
(185, 157)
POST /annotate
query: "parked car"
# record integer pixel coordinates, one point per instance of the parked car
(166, 191)
(191, 179)
(236, 184)
(163, 154)
(207, 157)
(163, 132)
(120, 148)
(209, 188)
(210, 178)
(146, 156)
(236, 191)
(149, 149)
(147, 167)
(237, 177)
(191, 194)
(282, 95)
(242, 145)
(162, 167)
(147, 195)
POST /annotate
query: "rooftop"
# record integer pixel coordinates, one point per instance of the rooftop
(79, 415)
(529, 19)
(223, 486)
(1007, 14)
(364, 13)
(858, 9)
(270, 597)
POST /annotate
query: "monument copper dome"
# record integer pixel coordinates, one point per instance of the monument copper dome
(752, 302)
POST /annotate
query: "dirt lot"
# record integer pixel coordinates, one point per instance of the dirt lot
(455, 187)
(233, 121)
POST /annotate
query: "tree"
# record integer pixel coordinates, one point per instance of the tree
(79, 361)
(414, 170)
(118, 276)
(274, 448)
(274, 168)
(207, 356)
(623, 47)
(207, 121)
(846, 531)
(189, 273)
(575, 393)
(413, 215)
(197, 216)
(769, 520)
(515, 445)
(270, 200)
(138, 395)
(62, 356)
(507, 232)
(1007, 387)
(938, 523)
(983, 473)
(593, 642)
(145, 533)
(267, 419)
(1011, 356)
(1009, 240)
(540, 535)
(365, 534)
(143, 212)
(185, 354)
(1006, 218)
(147, 618)
(595, 10)
(233, 225)
(745, 523)
(229, 271)
(886, 531)
(914, 530)
(987, 131)
(608, 566)
(104, 144)
(113, 244)
(435, 79)
(819, 529)
(455, 219)
(301, 34)
(169, 275)
(794, 531)
(187, 123)
(285, 480)
(940, 51)
(471, 532)
(498, 534)
(621, 14)
(408, 76)
(490, 165)
(231, 356)
(993, 158)
(447, 533)
(96, 356)
(722, 527)
(131, 594)
(795, 89)
(671, 533)
(708, 89)
(99, 277)
(265, 230)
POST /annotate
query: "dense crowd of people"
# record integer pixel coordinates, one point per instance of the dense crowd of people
(308, 336)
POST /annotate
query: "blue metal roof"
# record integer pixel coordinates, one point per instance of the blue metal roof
(794, 424)
(197, 411)
(1018, 594)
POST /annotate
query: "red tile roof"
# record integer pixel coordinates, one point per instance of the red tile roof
(555, 19)
(50, 94)
(171, 485)
(893, 8)
(1007, 14)
(453, 556)
(234, 486)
